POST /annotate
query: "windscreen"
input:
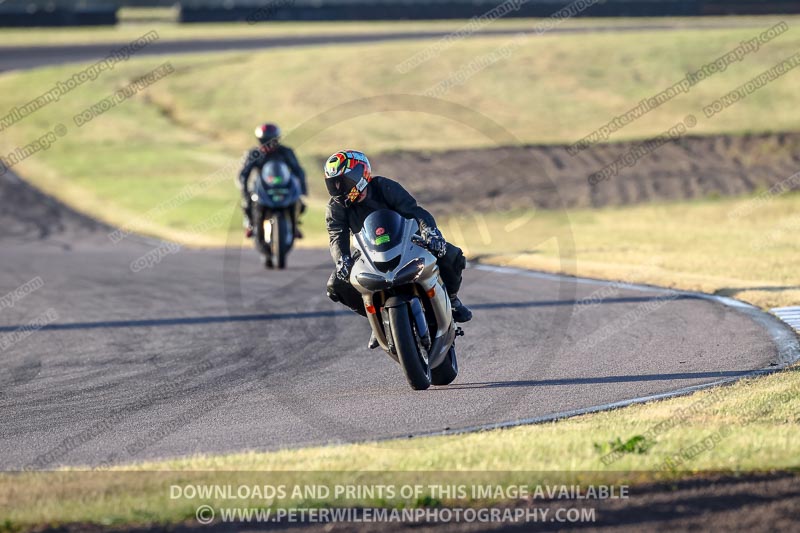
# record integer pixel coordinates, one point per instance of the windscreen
(276, 187)
(276, 174)
(382, 230)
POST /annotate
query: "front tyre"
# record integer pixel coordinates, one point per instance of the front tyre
(446, 373)
(281, 229)
(410, 353)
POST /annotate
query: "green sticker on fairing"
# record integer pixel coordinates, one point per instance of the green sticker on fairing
(382, 239)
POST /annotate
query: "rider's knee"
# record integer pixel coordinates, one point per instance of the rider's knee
(454, 257)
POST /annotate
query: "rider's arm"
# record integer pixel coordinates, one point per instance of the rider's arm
(338, 230)
(297, 170)
(401, 201)
(250, 159)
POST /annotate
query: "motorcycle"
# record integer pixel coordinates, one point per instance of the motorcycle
(278, 192)
(407, 304)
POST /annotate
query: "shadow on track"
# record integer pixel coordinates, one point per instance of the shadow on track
(216, 319)
(186, 321)
(599, 380)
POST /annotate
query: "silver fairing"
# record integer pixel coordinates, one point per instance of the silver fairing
(443, 334)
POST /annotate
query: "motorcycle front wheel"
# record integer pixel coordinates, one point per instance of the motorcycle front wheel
(281, 228)
(410, 353)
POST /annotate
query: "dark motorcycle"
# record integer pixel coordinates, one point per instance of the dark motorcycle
(276, 196)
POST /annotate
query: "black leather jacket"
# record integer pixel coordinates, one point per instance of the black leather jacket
(382, 193)
(257, 158)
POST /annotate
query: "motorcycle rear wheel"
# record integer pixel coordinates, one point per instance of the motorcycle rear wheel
(446, 373)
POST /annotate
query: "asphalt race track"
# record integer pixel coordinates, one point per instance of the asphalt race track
(204, 351)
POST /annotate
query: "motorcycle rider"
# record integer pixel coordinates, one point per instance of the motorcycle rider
(355, 194)
(269, 149)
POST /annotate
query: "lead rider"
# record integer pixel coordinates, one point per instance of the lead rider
(355, 194)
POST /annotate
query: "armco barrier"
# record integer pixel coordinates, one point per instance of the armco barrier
(27, 14)
(99, 12)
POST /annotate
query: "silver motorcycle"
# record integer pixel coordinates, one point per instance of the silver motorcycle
(406, 302)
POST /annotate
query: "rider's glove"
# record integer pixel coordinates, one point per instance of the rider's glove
(343, 267)
(434, 241)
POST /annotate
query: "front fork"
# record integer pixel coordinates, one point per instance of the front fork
(416, 314)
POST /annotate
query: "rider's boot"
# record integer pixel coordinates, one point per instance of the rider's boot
(461, 313)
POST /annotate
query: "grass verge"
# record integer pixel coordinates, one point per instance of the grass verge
(197, 120)
(752, 425)
(740, 247)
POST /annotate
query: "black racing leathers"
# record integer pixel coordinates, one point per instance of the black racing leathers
(382, 193)
(259, 156)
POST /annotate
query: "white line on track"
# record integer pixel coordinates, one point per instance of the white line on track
(784, 338)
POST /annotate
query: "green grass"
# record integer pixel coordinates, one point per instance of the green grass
(723, 246)
(752, 425)
(131, 16)
(190, 124)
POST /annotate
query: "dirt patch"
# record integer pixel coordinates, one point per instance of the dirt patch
(503, 178)
(549, 177)
(27, 214)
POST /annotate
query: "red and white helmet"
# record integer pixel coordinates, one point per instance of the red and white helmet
(268, 133)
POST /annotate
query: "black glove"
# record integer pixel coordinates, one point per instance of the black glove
(343, 267)
(434, 241)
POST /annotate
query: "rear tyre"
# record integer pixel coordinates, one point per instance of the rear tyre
(410, 353)
(280, 238)
(446, 373)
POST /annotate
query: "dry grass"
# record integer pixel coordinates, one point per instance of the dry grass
(752, 425)
(731, 247)
(197, 120)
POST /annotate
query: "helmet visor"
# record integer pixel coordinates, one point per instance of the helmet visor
(339, 185)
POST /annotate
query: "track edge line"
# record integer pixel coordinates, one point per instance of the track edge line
(783, 336)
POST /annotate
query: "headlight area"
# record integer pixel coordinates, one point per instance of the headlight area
(410, 272)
